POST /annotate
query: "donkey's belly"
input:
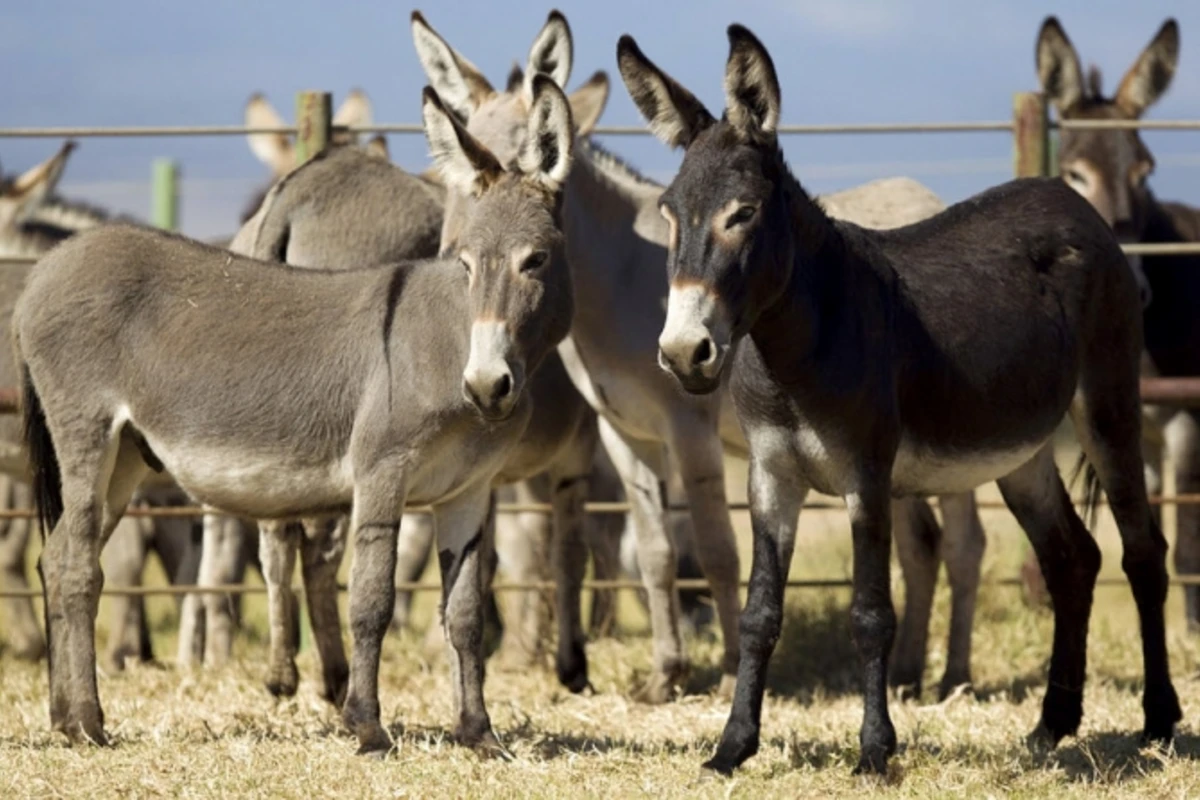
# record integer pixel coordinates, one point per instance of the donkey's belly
(923, 470)
(259, 485)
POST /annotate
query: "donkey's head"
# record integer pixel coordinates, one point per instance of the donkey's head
(729, 253)
(1108, 167)
(21, 195)
(511, 243)
(501, 119)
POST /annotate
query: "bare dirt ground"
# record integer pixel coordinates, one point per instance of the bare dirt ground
(217, 733)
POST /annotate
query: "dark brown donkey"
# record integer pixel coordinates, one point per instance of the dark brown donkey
(924, 360)
(1111, 168)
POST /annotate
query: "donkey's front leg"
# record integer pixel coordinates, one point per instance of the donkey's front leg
(464, 533)
(700, 461)
(872, 616)
(656, 560)
(776, 496)
(375, 520)
(277, 544)
(570, 563)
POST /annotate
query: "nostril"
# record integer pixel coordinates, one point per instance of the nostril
(703, 353)
(503, 387)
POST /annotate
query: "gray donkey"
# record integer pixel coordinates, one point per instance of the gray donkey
(616, 244)
(331, 392)
(343, 209)
(33, 219)
(880, 364)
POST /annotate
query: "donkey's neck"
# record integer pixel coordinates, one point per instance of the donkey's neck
(808, 311)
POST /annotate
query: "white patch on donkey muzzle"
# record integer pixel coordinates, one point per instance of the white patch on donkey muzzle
(695, 338)
(491, 381)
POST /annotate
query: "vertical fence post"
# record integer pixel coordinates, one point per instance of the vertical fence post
(164, 197)
(314, 129)
(1031, 141)
(314, 124)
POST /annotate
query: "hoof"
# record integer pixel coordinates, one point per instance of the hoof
(85, 733)
(33, 651)
(715, 768)
(376, 747)
(726, 687)
(952, 687)
(489, 747)
(1162, 712)
(572, 669)
(372, 752)
(1041, 740)
(907, 692)
(661, 687)
(282, 686)
(872, 763)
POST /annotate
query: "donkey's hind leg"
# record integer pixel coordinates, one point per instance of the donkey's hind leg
(25, 635)
(278, 542)
(917, 535)
(1069, 560)
(321, 552)
(963, 543)
(1108, 423)
(412, 554)
(97, 481)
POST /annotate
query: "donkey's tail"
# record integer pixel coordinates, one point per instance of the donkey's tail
(1091, 489)
(47, 477)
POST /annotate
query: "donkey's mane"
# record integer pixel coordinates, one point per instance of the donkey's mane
(613, 165)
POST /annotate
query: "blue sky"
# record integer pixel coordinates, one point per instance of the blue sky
(142, 62)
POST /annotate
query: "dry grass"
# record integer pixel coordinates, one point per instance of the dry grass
(218, 733)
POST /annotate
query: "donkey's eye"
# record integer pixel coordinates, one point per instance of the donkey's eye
(466, 265)
(1076, 177)
(535, 261)
(743, 215)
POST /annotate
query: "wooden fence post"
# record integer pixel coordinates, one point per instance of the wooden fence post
(1031, 140)
(314, 124)
(164, 194)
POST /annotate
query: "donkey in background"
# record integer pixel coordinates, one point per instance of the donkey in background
(616, 244)
(1111, 168)
(927, 359)
(347, 391)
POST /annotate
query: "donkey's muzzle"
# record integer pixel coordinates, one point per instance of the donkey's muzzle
(494, 395)
(695, 362)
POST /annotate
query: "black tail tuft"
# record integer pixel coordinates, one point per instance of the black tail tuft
(1091, 490)
(47, 479)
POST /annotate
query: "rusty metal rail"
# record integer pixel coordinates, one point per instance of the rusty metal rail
(522, 586)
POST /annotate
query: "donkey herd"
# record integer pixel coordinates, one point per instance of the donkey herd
(533, 319)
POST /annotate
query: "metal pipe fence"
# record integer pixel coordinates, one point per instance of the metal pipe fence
(1030, 127)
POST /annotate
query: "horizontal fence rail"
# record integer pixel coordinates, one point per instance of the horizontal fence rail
(682, 584)
(970, 126)
(590, 508)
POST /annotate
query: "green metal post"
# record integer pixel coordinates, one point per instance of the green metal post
(164, 199)
(314, 124)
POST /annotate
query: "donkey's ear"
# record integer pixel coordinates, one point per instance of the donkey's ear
(673, 113)
(751, 86)
(1058, 67)
(1151, 74)
(466, 165)
(354, 111)
(516, 78)
(273, 149)
(546, 151)
(457, 81)
(551, 54)
(588, 102)
(27, 191)
(377, 147)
